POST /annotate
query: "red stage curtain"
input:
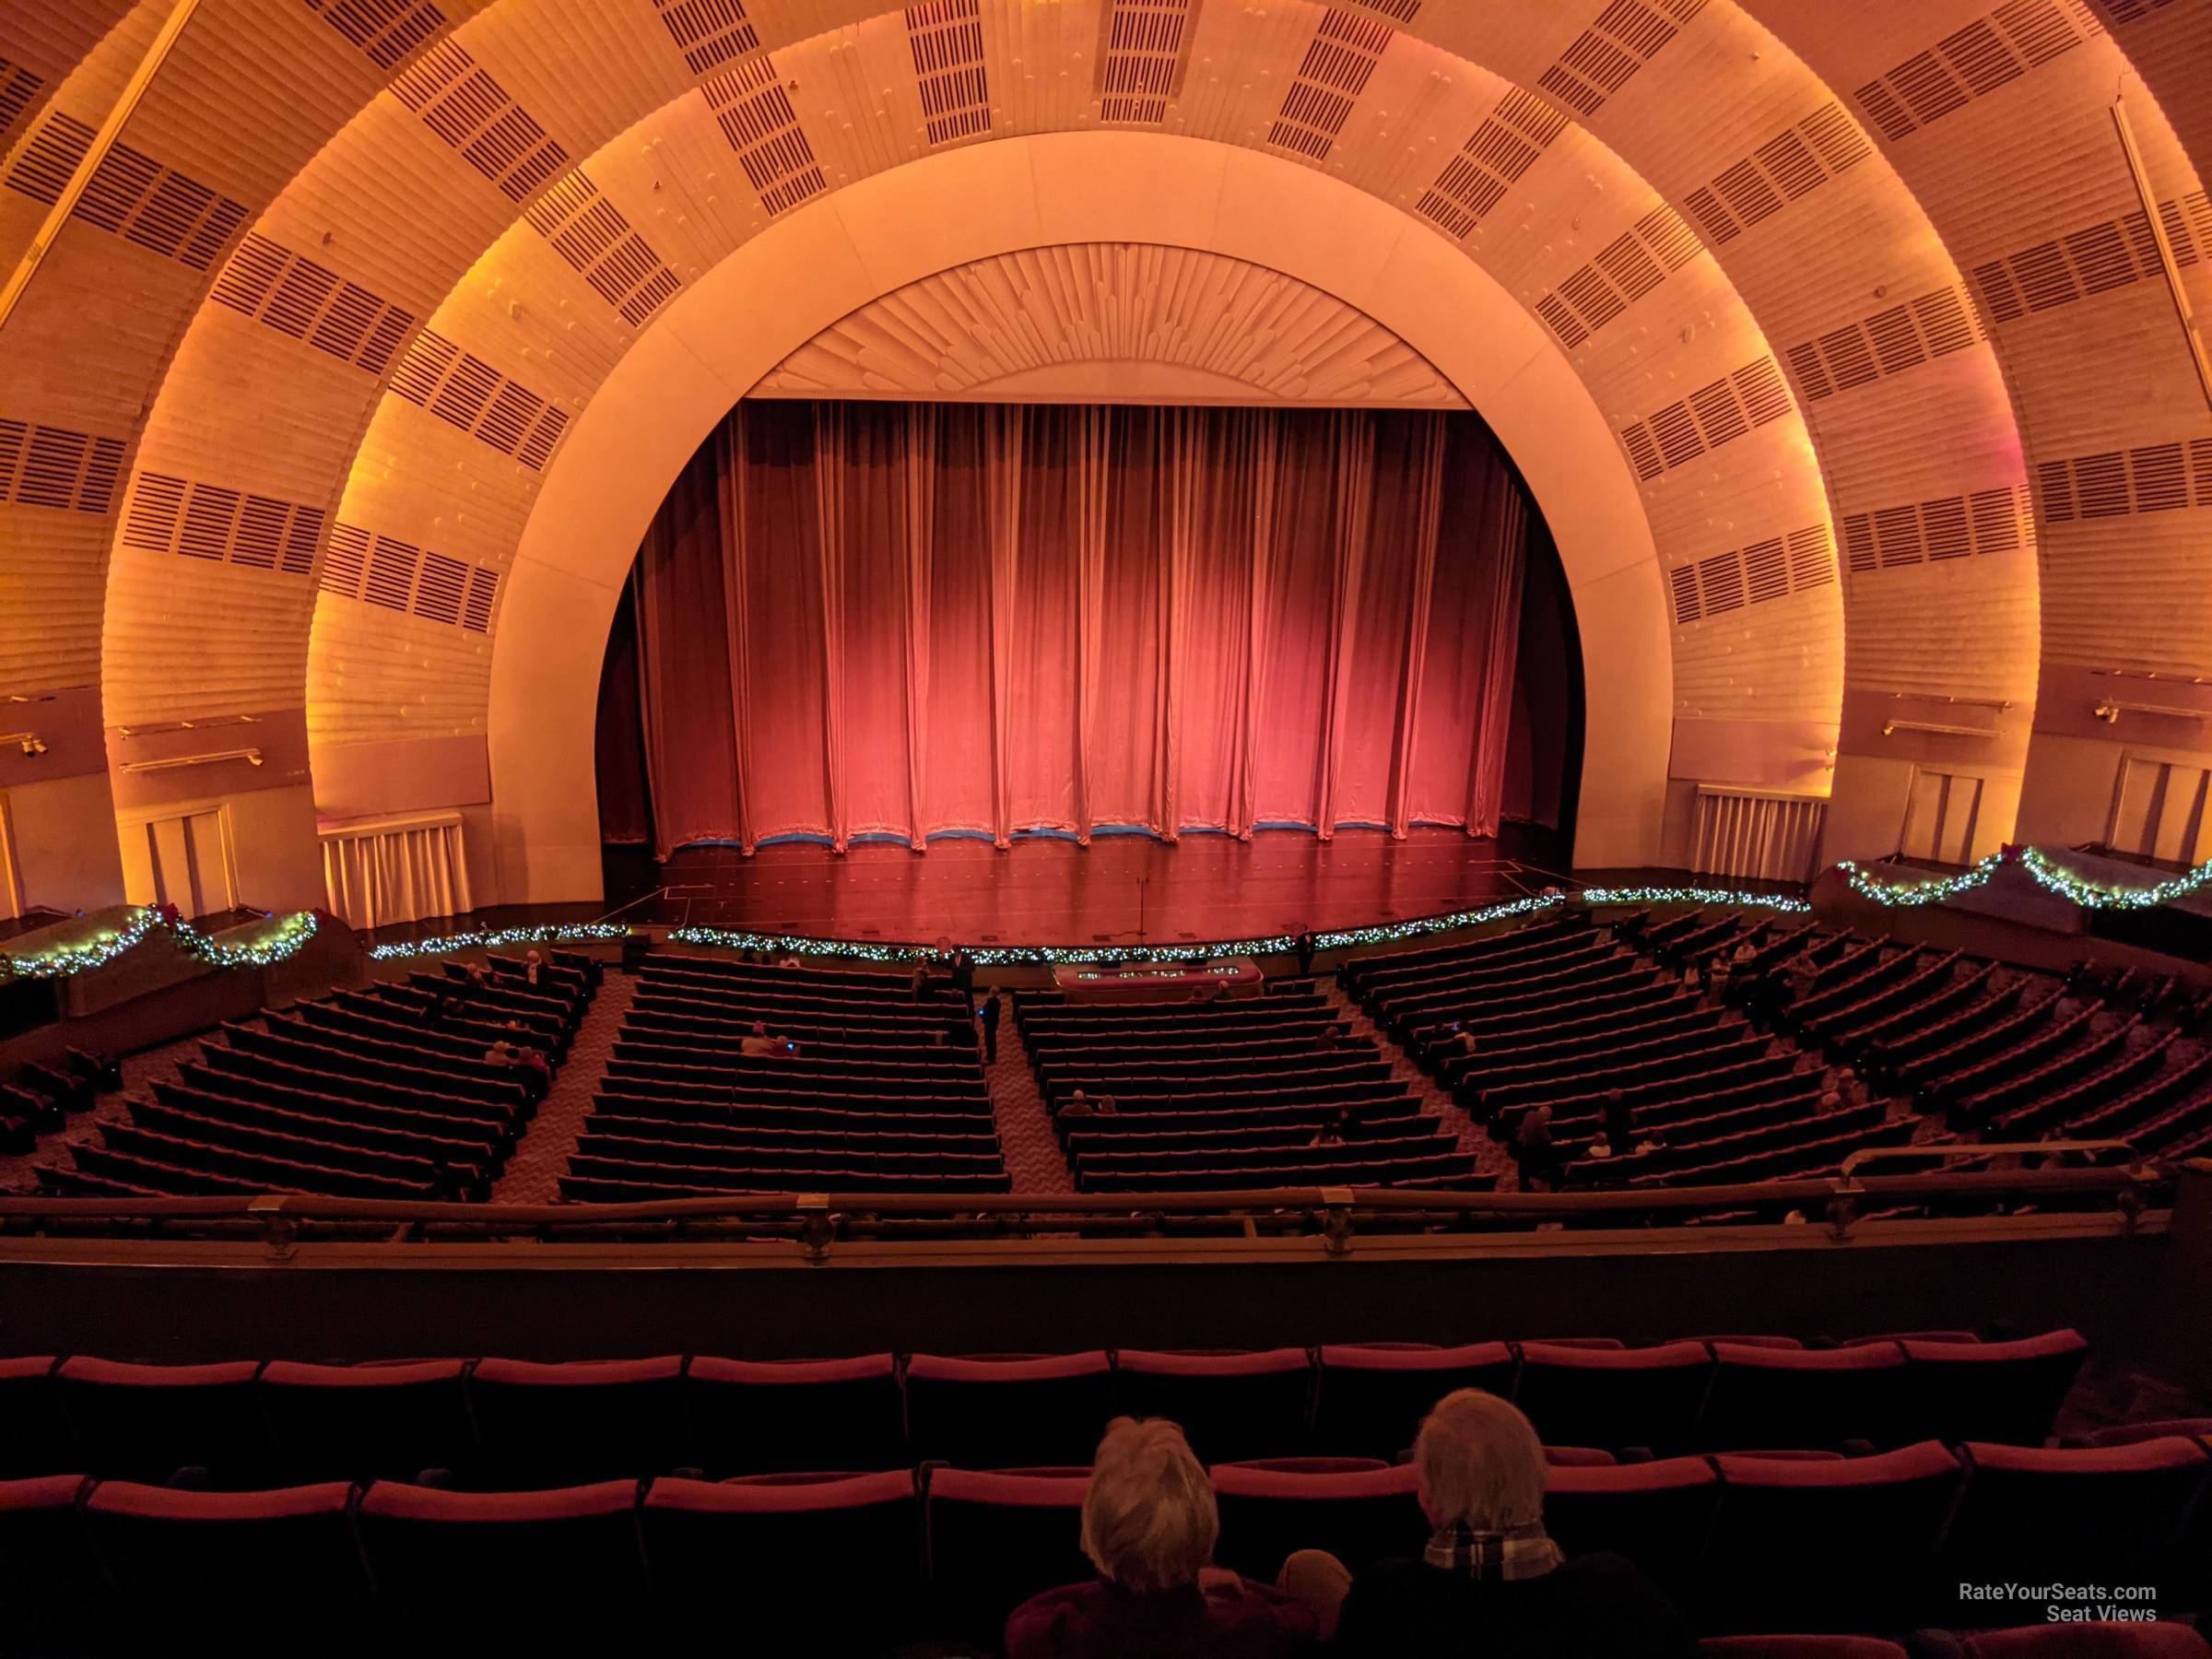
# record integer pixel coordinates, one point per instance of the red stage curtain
(857, 620)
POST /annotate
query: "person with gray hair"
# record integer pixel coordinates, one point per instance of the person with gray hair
(1149, 1522)
(1491, 1581)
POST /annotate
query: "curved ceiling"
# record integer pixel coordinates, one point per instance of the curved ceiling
(1861, 291)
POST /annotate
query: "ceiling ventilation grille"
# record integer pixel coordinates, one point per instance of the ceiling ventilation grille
(1519, 130)
(708, 33)
(129, 194)
(394, 575)
(1890, 342)
(591, 233)
(1792, 163)
(1630, 266)
(385, 29)
(1917, 532)
(946, 39)
(2128, 11)
(49, 467)
(473, 114)
(749, 105)
(19, 85)
(1143, 47)
(1989, 52)
(1627, 35)
(1320, 99)
(2157, 477)
(1709, 418)
(1769, 569)
(2114, 254)
(467, 392)
(1397, 11)
(167, 514)
(306, 301)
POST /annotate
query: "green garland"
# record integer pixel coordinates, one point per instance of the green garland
(104, 946)
(565, 933)
(2046, 872)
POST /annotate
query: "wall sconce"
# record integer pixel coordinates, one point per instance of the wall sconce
(27, 741)
(2112, 708)
(252, 757)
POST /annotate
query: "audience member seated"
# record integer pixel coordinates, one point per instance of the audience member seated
(1149, 1526)
(1491, 1581)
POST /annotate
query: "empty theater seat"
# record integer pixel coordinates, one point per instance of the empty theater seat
(52, 1593)
(1000, 1411)
(145, 1422)
(831, 1566)
(1828, 1544)
(1231, 1404)
(995, 1539)
(1580, 1397)
(37, 1438)
(1764, 1397)
(368, 1422)
(189, 1566)
(1657, 1515)
(578, 1422)
(754, 1417)
(1359, 1514)
(1370, 1398)
(1991, 1391)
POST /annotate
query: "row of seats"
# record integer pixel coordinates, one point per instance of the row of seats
(729, 1076)
(517, 1423)
(1229, 1094)
(847, 1563)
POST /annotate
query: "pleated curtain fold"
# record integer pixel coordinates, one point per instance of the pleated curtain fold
(886, 620)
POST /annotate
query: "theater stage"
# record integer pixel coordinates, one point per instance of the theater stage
(1121, 888)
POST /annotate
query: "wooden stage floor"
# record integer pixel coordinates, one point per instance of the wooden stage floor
(1121, 888)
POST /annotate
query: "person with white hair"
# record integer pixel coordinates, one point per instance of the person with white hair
(1491, 1581)
(1149, 1522)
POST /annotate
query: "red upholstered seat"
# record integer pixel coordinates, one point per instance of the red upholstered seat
(1370, 1398)
(1657, 1515)
(38, 1440)
(751, 1416)
(1763, 1397)
(2127, 1434)
(145, 1422)
(505, 1567)
(1990, 1391)
(1231, 1404)
(821, 1566)
(368, 1422)
(999, 1411)
(578, 1422)
(1836, 1543)
(1614, 1397)
(2098, 1641)
(188, 1565)
(51, 1593)
(1358, 1515)
(996, 1539)
(2097, 1515)
(1800, 1647)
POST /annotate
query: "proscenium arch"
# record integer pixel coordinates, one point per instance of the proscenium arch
(724, 332)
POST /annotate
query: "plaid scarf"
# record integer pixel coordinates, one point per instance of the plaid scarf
(1523, 1553)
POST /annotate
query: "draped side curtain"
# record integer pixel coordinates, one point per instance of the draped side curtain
(906, 621)
(396, 870)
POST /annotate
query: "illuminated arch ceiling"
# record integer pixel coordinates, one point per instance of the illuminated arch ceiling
(1866, 287)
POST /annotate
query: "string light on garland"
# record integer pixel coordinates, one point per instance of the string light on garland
(566, 933)
(2091, 895)
(104, 946)
(1934, 890)
(1381, 932)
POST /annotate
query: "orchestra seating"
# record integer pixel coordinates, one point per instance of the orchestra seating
(662, 1484)
(864, 1080)
(387, 1093)
(1255, 1092)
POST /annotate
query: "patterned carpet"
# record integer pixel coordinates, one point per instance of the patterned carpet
(533, 1172)
(1490, 1157)
(1025, 1132)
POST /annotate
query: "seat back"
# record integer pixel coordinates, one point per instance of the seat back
(995, 1539)
(368, 1422)
(1359, 1516)
(486, 1567)
(185, 1563)
(1657, 1515)
(1614, 1397)
(38, 1439)
(831, 1565)
(760, 1417)
(2008, 1391)
(51, 1582)
(1003, 1412)
(1763, 1397)
(579, 1421)
(1838, 1543)
(1230, 1406)
(145, 1422)
(1369, 1399)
